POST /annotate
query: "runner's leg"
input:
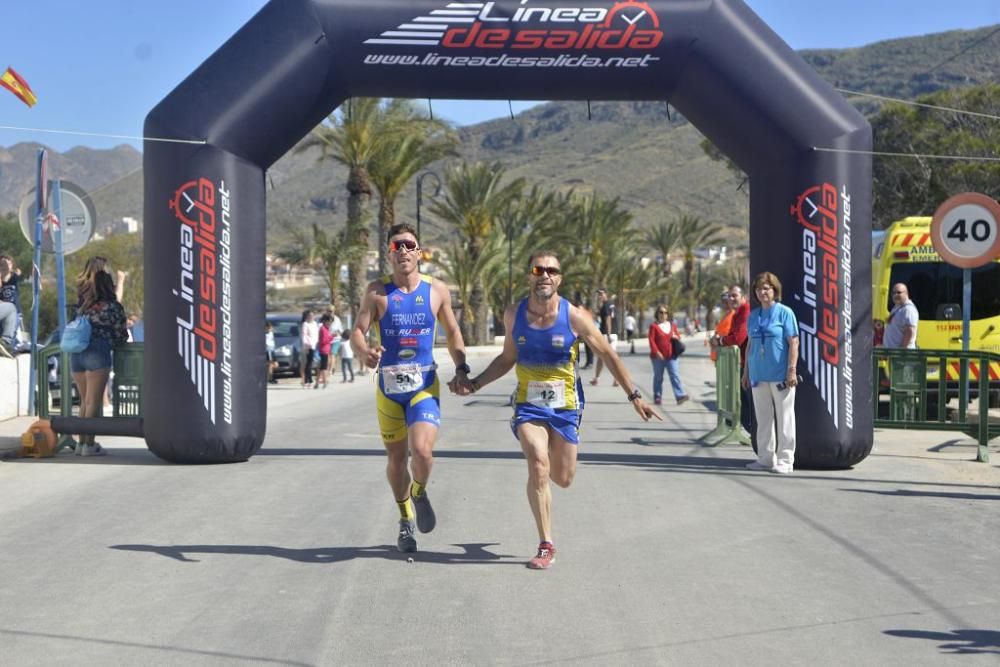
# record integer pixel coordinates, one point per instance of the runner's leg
(534, 439)
(562, 458)
(422, 437)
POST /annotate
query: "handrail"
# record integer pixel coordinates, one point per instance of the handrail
(727, 400)
(904, 376)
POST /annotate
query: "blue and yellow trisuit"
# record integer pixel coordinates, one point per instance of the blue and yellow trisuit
(408, 390)
(548, 388)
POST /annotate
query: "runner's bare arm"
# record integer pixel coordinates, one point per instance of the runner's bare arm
(367, 314)
(504, 361)
(456, 344)
(585, 329)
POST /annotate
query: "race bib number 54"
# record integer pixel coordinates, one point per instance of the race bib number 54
(402, 379)
(547, 394)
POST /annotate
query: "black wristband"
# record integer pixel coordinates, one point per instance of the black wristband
(634, 395)
(464, 368)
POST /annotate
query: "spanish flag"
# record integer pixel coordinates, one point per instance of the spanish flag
(13, 82)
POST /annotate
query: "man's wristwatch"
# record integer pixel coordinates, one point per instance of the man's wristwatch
(463, 368)
(634, 395)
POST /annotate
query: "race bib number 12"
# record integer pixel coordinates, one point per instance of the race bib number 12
(547, 394)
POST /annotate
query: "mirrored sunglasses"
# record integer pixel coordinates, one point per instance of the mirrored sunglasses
(551, 270)
(403, 244)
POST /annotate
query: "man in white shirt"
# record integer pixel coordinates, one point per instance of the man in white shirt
(901, 327)
(630, 326)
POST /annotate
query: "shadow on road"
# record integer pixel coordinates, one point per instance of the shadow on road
(903, 493)
(474, 552)
(957, 641)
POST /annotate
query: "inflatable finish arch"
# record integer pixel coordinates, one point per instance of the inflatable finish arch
(297, 60)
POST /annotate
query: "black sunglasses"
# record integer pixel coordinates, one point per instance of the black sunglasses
(551, 270)
(403, 244)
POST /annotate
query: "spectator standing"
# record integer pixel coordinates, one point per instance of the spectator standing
(605, 314)
(92, 367)
(326, 338)
(901, 327)
(269, 349)
(723, 327)
(630, 326)
(738, 336)
(346, 354)
(588, 353)
(10, 305)
(770, 372)
(662, 334)
(309, 336)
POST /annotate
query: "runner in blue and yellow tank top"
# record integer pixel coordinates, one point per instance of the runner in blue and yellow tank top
(548, 387)
(545, 331)
(406, 308)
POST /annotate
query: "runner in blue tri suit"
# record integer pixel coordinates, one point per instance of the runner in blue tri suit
(545, 331)
(406, 308)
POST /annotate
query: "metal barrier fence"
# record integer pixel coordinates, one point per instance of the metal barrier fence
(727, 400)
(912, 389)
(126, 386)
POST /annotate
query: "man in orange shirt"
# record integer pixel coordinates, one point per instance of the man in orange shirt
(723, 327)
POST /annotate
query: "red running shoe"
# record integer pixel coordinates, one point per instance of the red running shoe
(544, 558)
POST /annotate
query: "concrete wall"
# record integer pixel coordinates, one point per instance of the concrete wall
(14, 386)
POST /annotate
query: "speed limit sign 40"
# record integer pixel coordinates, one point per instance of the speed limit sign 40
(965, 230)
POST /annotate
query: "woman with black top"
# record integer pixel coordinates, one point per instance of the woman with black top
(91, 368)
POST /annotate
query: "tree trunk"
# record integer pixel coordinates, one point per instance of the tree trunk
(360, 192)
(386, 219)
(477, 315)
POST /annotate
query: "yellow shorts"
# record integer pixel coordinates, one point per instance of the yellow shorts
(397, 413)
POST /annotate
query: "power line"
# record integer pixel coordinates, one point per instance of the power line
(919, 104)
(199, 142)
(963, 51)
(968, 158)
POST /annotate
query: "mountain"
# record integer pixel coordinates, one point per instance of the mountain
(652, 160)
(87, 167)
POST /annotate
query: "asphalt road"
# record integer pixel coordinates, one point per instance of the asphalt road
(669, 552)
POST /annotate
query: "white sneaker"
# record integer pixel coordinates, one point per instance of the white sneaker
(782, 469)
(91, 450)
(757, 466)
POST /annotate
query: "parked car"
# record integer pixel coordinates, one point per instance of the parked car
(287, 343)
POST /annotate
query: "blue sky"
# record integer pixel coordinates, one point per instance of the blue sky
(99, 66)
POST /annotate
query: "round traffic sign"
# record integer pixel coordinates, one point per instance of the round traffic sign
(965, 230)
(78, 218)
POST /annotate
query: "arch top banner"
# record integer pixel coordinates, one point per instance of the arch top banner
(297, 60)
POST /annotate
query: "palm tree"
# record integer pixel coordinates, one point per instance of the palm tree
(409, 142)
(599, 235)
(474, 198)
(523, 227)
(468, 275)
(352, 139)
(663, 238)
(693, 234)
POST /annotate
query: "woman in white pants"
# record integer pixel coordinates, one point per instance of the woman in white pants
(770, 373)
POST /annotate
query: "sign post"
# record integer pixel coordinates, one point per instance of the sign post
(965, 231)
(41, 192)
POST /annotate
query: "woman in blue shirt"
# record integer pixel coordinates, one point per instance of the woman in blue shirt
(772, 354)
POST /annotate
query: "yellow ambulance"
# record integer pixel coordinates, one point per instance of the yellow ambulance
(904, 254)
